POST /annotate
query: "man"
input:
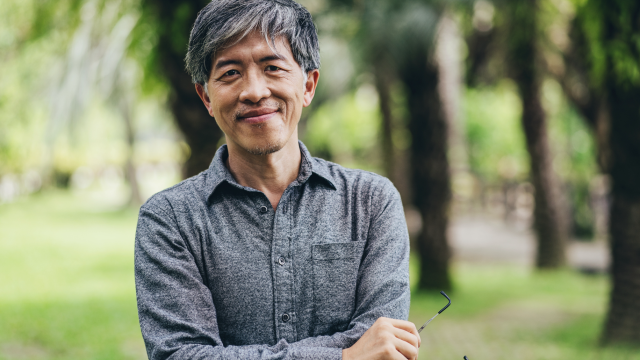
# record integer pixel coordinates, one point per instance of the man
(270, 253)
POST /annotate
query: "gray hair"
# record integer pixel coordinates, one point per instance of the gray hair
(224, 22)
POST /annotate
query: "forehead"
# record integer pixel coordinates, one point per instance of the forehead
(255, 44)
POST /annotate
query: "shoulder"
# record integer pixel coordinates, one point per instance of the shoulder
(178, 197)
(358, 183)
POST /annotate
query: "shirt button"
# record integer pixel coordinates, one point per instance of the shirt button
(263, 209)
(286, 317)
(281, 261)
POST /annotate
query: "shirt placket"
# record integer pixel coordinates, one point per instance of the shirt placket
(281, 257)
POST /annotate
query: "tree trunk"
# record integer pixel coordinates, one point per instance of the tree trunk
(549, 221)
(623, 318)
(430, 168)
(382, 86)
(549, 226)
(135, 198)
(449, 60)
(201, 133)
(610, 106)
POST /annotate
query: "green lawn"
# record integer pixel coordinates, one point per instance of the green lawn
(67, 292)
(501, 312)
(67, 289)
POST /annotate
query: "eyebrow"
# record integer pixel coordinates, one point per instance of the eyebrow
(222, 63)
(272, 57)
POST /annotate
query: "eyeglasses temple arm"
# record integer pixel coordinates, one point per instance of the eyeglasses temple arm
(439, 312)
(444, 308)
(427, 323)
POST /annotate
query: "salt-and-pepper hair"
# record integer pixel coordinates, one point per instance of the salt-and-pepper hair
(223, 23)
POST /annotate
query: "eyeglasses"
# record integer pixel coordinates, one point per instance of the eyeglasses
(439, 312)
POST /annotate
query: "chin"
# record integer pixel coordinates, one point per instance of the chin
(266, 148)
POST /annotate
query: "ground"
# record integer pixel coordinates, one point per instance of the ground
(484, 238)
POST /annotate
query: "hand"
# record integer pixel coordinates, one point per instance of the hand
(386, 339)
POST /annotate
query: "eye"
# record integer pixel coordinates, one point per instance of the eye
(231, 73)
(272, 68)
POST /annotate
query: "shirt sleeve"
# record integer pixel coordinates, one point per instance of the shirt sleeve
(383, 278)
(183, 325)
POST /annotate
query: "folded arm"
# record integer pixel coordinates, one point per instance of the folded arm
(178, 318)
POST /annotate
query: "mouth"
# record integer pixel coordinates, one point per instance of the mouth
(257, 116)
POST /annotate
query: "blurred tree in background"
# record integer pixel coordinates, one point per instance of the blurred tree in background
(604, 83)
(171, 22)
(429, 128)
(517, 42)
(522, 21)
(396, 39)
(96, 67)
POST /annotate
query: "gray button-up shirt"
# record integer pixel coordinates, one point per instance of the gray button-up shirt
(221, 275)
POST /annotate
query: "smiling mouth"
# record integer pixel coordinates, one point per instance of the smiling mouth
(257, 119)
(257, 116)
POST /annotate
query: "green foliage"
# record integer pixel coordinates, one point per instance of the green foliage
(497, 150)
(346, 130)
(25, 66)
(51, 15)
(496, 143)
(167, 21)
(571, 140)
(143, 49)
(35, 39)
(611, 29)
(583, 217)
(182, 20)
(573, 146)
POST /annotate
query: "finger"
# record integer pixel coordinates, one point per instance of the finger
(409, 328)
(408, 350)
(412, 329)
(405, 325)
(406, 336)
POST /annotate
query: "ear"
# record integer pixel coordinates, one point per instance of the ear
(204, 97)
(310, 86)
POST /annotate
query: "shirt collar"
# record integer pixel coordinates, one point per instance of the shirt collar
(218, 172)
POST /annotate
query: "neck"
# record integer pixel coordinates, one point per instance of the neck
(271, 173)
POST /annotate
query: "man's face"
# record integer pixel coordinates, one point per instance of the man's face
(256, 94)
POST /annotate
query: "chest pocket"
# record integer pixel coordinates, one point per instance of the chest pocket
(335, 273)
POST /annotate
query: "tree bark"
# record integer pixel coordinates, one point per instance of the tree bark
(610, 106)
(547, 213)
(383, 84)
(623, 318)
(430, 168)
(174, 20)
(549, 221)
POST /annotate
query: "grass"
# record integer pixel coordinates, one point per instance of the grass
(67, 292)
(67, 288)
(507, 312)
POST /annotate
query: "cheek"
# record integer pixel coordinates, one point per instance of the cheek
(220, 104)
(294, 99)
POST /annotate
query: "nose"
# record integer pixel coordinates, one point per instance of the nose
(255, 87)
